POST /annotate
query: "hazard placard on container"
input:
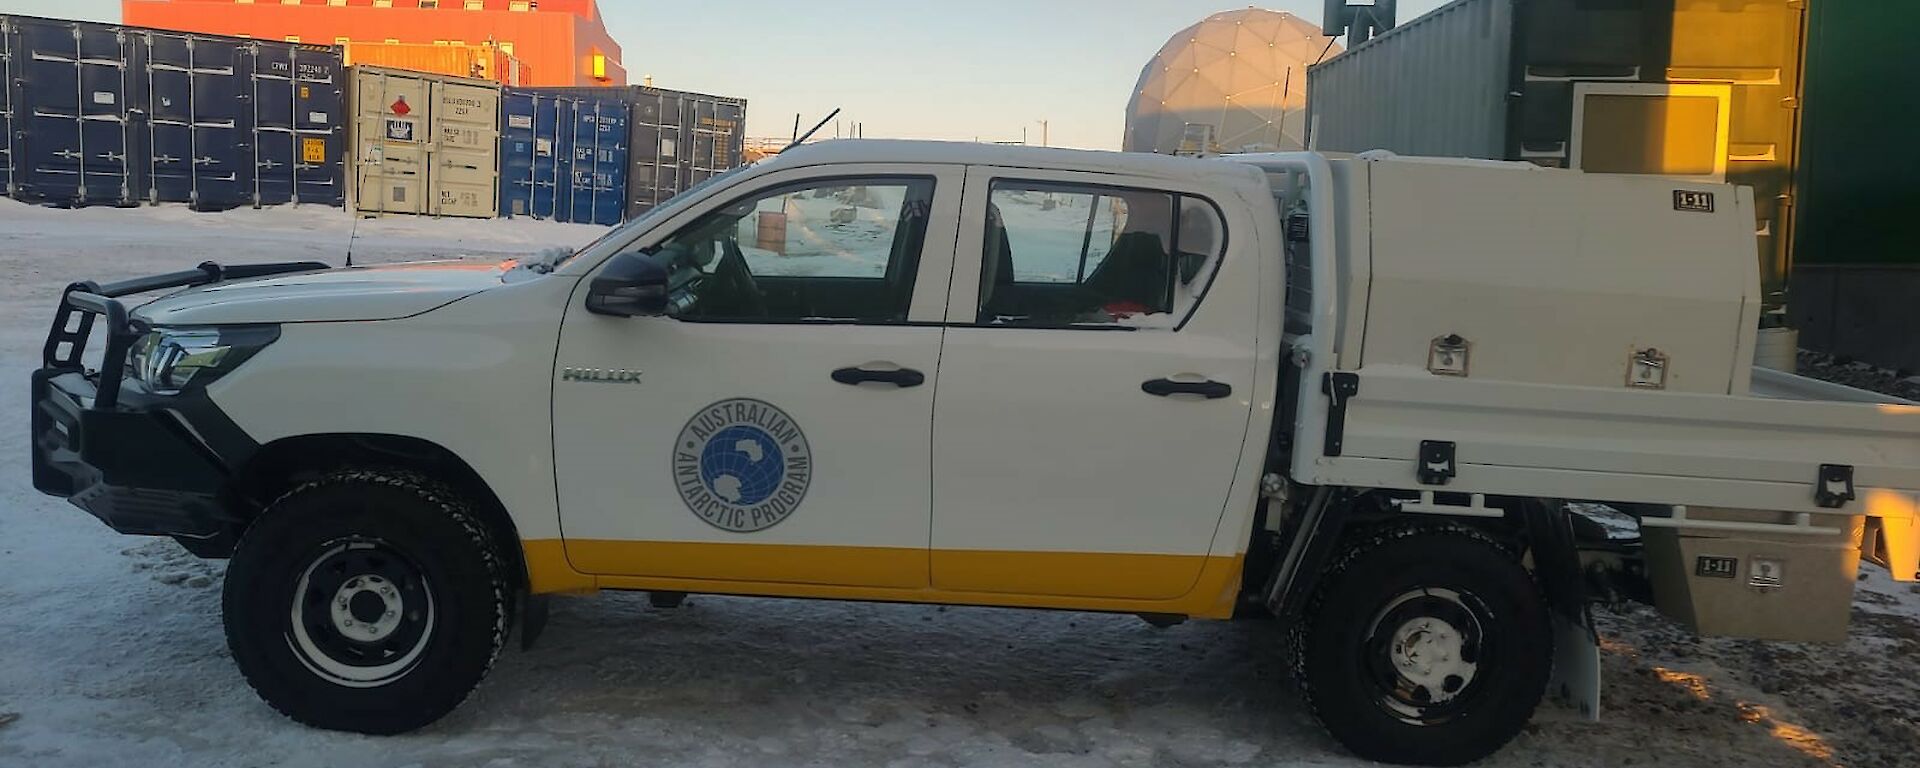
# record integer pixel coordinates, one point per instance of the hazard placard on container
(313, 150)
(399, 130)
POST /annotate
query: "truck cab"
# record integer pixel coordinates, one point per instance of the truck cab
(1330, 391)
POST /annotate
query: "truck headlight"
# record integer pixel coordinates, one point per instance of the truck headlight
(169, 360)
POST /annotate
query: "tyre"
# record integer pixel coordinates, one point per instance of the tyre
(1424, 645)
(366, 601)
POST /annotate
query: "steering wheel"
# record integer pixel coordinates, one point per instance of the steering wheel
(731, 279)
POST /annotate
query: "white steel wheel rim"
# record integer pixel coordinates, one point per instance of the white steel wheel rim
(1431, 656)
(318, 661)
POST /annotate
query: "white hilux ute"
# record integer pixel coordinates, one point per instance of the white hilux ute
(1351, 393)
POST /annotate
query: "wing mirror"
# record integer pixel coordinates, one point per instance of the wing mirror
(631, 284)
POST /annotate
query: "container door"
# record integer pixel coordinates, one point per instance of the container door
(319, 122)
(464, 170)
(731, 136)
(299, 111)
(74, 121)
(6, 107)
(519, 178)
(551, 148)
(197, 148)
(598, 162)
(610, 164)
(390, 126)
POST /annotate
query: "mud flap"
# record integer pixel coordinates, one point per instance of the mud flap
(1576, 668)
(1893, 543)
(1576, 647)
(533, 619)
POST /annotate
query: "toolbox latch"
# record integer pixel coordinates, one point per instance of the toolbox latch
(1835, 487)
(1436, 462)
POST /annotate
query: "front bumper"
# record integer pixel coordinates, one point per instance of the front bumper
(142, 463)
(143, 467)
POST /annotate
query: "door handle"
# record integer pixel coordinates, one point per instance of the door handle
(1211, 390)
(899, 377)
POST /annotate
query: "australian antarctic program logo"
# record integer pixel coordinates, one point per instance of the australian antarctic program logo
(742, 465)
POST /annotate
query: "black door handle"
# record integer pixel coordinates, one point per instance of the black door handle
(899, 377)
(1211, 390)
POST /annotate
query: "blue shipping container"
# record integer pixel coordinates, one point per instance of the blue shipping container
(563, 157)
(73, 131)
(120, 115)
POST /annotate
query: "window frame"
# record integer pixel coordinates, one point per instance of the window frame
(783, 187)
(976, 218)
(1721, 93)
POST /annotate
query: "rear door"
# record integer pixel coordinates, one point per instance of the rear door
(1095, 387)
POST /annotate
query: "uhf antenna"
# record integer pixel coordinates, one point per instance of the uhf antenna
(352, 233)
(809, 134)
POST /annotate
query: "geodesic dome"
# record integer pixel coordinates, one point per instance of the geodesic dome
(1236, 81)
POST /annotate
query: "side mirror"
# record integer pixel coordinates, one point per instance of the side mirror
(631, 284)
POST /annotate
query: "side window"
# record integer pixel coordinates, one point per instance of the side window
(1064, 255)
(833, 250)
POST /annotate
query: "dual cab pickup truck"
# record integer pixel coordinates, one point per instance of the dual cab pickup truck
(1355, 394)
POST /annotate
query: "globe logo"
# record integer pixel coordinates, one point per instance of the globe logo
(742, 465)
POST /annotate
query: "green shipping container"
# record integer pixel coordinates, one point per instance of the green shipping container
(1856, 266)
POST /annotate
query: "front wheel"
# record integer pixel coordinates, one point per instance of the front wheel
(366, 601)
(1427, 645)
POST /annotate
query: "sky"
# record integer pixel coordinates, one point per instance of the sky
(931, 69)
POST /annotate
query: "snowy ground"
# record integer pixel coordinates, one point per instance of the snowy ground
(111, 650)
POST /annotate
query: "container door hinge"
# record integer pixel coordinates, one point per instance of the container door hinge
(1836, 486)
(1338, 386)
(1436, 462)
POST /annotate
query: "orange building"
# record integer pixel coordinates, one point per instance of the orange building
(562, 42)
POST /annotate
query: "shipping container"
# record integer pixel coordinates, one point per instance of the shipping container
(103, 114)
(73, 140)
(480, 62)
(425, 144)
(677, 139)
(1856, 272)
(6, 107)
(563, 157)
(1702, 89)
(232, 122)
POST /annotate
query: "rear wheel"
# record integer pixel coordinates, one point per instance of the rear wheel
(366, 601)
(1427, 645)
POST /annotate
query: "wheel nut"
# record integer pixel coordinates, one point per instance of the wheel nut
(346, 622)
(390, 614)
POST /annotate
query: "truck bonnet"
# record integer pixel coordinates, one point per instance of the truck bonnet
(383, 292)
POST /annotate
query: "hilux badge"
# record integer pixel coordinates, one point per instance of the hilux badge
(600, 376)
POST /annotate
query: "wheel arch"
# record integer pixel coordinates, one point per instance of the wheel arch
(286, 463)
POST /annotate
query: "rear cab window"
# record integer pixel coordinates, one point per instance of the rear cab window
(1068, 255)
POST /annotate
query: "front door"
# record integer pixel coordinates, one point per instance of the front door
(1095, 387)
(776, 426)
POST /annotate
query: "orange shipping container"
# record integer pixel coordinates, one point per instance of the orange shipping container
(484, 62)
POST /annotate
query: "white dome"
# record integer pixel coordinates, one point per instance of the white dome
(1242, 75)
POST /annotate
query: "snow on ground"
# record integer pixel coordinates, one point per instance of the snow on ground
(111, 649)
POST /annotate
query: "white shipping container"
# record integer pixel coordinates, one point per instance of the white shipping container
(425, 144)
